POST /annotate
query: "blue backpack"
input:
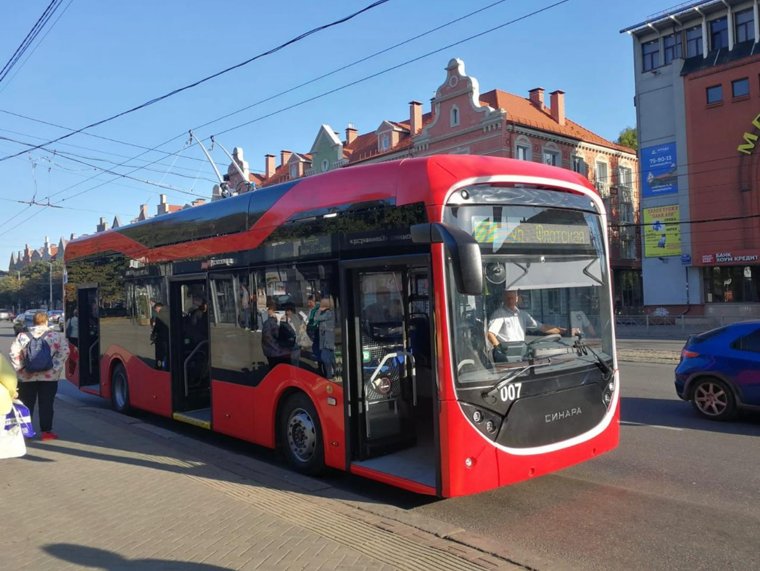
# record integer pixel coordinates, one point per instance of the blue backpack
(38, 357)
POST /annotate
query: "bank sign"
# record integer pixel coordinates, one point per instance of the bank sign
(659, 170)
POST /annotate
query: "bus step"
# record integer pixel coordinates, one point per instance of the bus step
(200, 418)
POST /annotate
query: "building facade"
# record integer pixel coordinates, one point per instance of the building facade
(697, 77)
(464, 120)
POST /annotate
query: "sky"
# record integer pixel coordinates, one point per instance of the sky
(93, 60)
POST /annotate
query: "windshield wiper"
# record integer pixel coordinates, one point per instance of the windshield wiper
(582, 348)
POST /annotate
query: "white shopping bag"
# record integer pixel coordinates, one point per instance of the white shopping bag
(12, 443)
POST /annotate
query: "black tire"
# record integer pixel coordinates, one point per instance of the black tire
(713, 399)
(301, 435)
(120, 390)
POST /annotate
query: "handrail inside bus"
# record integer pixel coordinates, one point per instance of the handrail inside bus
(393, 355)
(184, 365)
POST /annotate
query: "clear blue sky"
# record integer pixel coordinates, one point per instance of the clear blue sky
(96, 59)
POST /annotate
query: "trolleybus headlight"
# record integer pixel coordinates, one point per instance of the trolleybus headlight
(490, 427)
(477, 416)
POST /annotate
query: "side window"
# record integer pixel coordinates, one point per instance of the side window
(749, 342)
(296, 294)
(231, 300)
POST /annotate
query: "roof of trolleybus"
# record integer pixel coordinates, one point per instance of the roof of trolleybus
(245, 221)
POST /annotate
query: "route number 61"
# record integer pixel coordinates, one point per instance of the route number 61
(510, 392)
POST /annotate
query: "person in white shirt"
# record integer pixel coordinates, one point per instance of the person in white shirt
(509, 323)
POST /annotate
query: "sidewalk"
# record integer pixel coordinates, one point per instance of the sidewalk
(117, 493)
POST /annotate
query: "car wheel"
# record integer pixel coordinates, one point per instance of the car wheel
(301, 435)
(713, 399)
(120, 389)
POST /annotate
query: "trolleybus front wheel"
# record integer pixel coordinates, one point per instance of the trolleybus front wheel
(301, 435)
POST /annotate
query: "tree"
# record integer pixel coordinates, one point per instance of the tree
(628, 138)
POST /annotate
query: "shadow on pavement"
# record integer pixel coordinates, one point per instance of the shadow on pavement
(680, 414)
(101, 559)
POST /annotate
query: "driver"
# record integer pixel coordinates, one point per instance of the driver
(509, 323)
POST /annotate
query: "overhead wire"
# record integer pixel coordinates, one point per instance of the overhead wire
(29, 39)
(313, 80)
(207, 78)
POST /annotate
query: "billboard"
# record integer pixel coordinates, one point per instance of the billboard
(659, 171)
(662, 231)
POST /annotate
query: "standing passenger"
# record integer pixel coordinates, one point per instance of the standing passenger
(325, 320)
(38, 373)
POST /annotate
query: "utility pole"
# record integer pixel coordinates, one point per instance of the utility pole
(50, 297)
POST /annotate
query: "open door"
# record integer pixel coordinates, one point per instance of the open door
(392, 389)
(190, 352)
(88, 335)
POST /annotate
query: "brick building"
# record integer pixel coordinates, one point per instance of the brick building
(496, 123)
(697, 72)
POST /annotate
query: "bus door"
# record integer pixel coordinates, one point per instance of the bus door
(392, 392)
(190, 351)
(88, 336)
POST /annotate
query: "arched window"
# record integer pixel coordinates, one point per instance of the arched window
(522, 149)
(454, 115)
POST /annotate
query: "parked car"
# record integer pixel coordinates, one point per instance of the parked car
(55, 316)
(719, 371)
(25, 320)
(6, 315)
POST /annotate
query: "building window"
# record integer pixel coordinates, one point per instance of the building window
(714, 94)
(325, 165)
(385, 141)
(602, 179)
(294, 170)
(551, 158)
(579, 165)
(523, 153)
(650, 55)
(694, 41)
(719, 33)
(745, 26)
(454, 116)
(740, 87)
(625, 178)
(671, 47)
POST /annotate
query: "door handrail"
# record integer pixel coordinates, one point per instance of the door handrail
(393, 355)
(187, 360)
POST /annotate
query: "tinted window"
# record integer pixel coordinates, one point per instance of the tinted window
(719, 33)
(714, 94)
(750, 342)
(740, 87)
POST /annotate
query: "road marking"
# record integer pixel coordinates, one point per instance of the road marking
(627, 423)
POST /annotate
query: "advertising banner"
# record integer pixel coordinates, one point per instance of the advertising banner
(662, 231)
(659, 172)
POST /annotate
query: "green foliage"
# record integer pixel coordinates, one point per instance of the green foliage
(628, 138)
(30, 287)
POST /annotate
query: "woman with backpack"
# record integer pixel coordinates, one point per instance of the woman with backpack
(39, 355)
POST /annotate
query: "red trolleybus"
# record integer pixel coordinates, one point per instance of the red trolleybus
(208, 316)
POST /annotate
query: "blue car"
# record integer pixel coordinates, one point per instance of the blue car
(719, 371)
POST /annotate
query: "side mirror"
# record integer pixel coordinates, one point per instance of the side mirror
(463, 249)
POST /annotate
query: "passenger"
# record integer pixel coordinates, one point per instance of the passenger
(325, 319)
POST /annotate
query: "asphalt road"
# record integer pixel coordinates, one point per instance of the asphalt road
(679, 492)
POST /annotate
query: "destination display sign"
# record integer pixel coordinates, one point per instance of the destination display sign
(485, 231)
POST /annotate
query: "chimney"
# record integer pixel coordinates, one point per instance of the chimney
(415, 117)
(537, 97)
(285, 156)
(269, 166)
(350, 134)
(558, 106)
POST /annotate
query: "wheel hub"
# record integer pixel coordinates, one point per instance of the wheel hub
(302, 435)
